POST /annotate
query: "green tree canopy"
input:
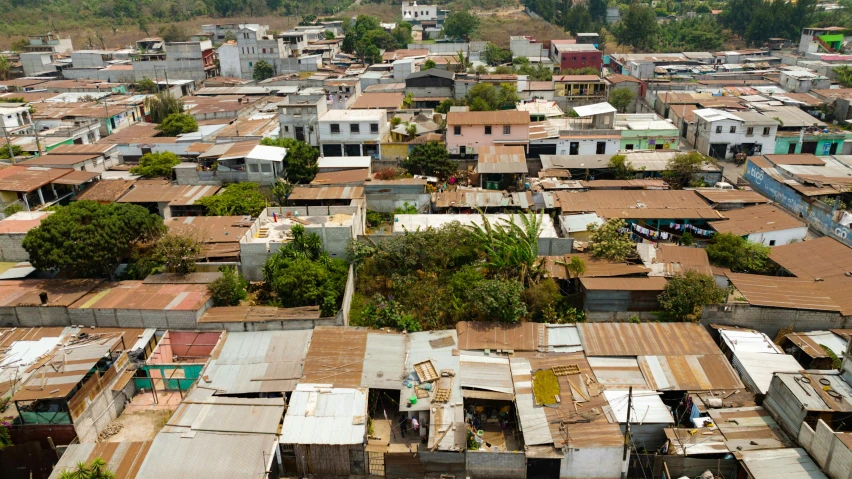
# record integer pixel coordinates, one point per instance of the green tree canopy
(428, 65)
(731, 251)
(178, 124)
(494, 55)
(172, 33)
(685, 294)
(97, 469)
(681, 169)
(88, 239)
(461, 24)
(499, 300)
(620, 98)
(487, 97)
(638, 28)
(430, 159)
(229, 289)
(153, 165)
(300, 164)
(262, 71)
(146, 85)
(6, 155)
(162, 105)
(844, 75)
(620, 168)
(238, 199)
(692, 34)
(607, 242)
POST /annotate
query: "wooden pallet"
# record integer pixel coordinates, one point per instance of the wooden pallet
(566, 370)
(426, 371)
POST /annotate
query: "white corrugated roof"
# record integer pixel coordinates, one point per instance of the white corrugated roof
(757, 369)
(790, 463)
(344, 162)
(594, 109)
(647, 407)
(563, 338)
(748, 341)
(533, 421)
(267, 153)
(578, 223)
(320, 414)
(384, 361)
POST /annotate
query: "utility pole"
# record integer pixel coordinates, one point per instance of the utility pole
(626, 454)
(8, 144)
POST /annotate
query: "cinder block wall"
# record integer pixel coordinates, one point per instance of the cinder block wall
(495, 465)
(771, 320)
(11, 248)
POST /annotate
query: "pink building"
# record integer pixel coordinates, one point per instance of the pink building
(469, 130)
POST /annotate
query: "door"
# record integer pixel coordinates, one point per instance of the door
(791, 150)
(719, 150)
(574, 148)
(809, 147)
(300, 133)
(833, 149)
(543, 468)
(600, 149)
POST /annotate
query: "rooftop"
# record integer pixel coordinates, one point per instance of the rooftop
(320, 414)
(166, 192)
(756, 219)
(637, 204)
(501, 159)
(22, 221)
(404, 223)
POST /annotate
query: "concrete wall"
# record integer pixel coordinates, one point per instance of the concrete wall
(35, 316)
(291, 324)
(388, 202)
(554, 246)
(11, 248)
(106, 406)
(771, 320)
(832, 455)
(589, 463)
(495, 465)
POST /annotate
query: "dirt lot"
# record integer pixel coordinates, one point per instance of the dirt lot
(140, 425)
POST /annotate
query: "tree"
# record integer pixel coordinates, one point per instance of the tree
(329, 35)
(161, 105)
(230, 36)
(19, 45)
(144, 24)
(494, 55)
(432, 159)
(731, 251)
(6, 155)
(87, 239)
(97, 469)
(146, 85)
(154, 165)
(262, 71)
(620, 168)
(511, 246)
(577, 20)
(844, 75)
(597, 11)
(499, 300)
(487, 97)
(300, 164)
(608, 241)
(461, 24)
(281, 191)
(229, 289)
(638, 28)
(5, 67)
(444, 107)
(685, 294)
(620, 98)
(689, 34)
(177, 124)
(428, 65)
(177, 252)
(172, 33)
(681, 169)
(238, 199)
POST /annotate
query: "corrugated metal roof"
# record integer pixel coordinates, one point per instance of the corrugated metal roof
(647, 408)
(384, 361)
(533, 421)
(749, 428)
(824, 258)
(817, 398)
(499, 336)
(208, 455)
(618, 373)
(326, 193)
(756, 369)
(594, 267)
(637, 204)
(718, 196)
(756, 219)
(227, 415)
(335, 356)
(623, 284)
(320, 414)
(628, 339)
(739, 340)
(774, 463)
(809, 343)
(258, 361)
(685, 442)
(501, 159)
(689, 372)
(563, 338)
(485, 372)
(122, 458)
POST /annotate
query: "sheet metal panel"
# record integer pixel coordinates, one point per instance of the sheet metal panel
(319, 414)
(483, 372)
(791, 463)
(208, 455)
(533, 422)
(384, 361)
(628, 339)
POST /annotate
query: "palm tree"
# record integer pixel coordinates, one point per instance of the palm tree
(512, 248)
(96, 470)
(281, 191)
(575, 268)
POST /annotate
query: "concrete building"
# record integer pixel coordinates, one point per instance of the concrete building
(50, 43)
(299, 116)
(434, 84)
(467, 131)
(420, 14)
(37, 63)
(353, 132)
(528, 47)
(218, 30)
(803, 81)
(821, 39)
(13, 229)
(570, 55)
(764, 224)
(722, 134)
(253, 45)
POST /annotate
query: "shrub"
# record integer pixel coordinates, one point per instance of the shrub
(229, 289)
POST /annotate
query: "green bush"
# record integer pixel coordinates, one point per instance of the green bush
(12, 209)
(229, 289)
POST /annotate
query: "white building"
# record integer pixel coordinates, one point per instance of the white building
(353, 132)
(298, 116)
(254, 45)
(803, 81)
(415, 14)
(768, 225)
(218, 30)
(722, 134)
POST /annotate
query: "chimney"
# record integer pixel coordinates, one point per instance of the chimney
(43, 297)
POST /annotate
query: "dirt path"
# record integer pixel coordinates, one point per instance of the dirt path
(140, 425)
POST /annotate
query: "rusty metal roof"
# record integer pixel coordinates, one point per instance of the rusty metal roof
(824, 258)
(783, 292)
(623, 284)
(756, 219)
(90, 149)
(749, 428)
(501, 159)
(646, 183)
(637, 204)
(718, 196)
(60, 292)
(305, 193)
(800, 159)
(646, 339)
(506, 117)
(595, 268)
(76, 178)
(701, 372)
(162, 192)
(336, 357)
(499, 336)
(22, 179)
(122, 458)
(106, 191)
(668, 260)
(138, 295)
(258, 314)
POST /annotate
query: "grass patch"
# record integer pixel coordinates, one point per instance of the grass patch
(545, 386)
(497, 30)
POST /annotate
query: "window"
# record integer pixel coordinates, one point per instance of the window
(263, 50)
(335, 128)
(374, 127)
(575, 59)
(733, 129)
(252, 168)
(250, 64)
(766, 130)
(771, 242)
(718, 129)
(583, 58)
(600, 149)
(286, 128)
(750, 131)
(507, 130)
(354, 128)
(488, 130)
(456, 130)
(265, 168)
(629, 146)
